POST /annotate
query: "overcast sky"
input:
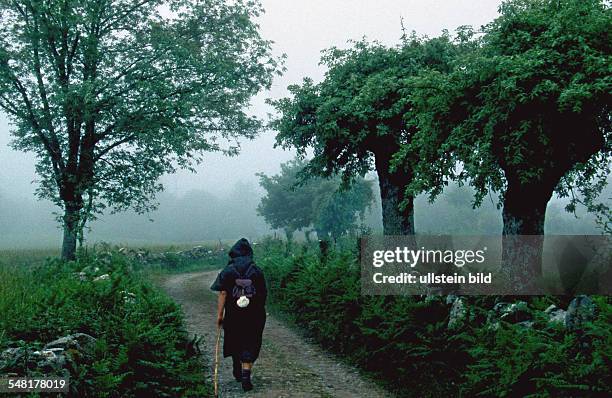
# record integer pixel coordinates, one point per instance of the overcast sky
(300, 29)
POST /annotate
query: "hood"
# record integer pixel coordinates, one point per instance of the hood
(241, 255)
(241, 248)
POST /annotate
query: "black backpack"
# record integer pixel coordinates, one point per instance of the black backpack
(244, 286)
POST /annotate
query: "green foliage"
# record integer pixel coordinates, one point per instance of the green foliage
(402, 340)
(354, 120)
(110, 95)
(358, 108)
(546, 362)
(142, 347)
(336, 207)
(527, 106)
(286, 205)
(405, 342)
(295, 202)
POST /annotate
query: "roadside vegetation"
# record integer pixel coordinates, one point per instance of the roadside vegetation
(411, 344)
(138, 343)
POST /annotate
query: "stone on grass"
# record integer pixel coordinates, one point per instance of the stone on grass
(581, 310)
(458, 314)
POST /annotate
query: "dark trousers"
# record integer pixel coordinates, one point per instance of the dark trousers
(236, 364)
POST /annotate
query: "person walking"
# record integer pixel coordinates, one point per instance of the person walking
(241, 310)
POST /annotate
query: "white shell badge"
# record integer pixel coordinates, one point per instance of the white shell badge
(243, 301)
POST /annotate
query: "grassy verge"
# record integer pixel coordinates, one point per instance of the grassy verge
(141, 346)
(406, 342)
(26, 258)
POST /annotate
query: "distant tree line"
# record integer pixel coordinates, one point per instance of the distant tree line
(316, 205)
(201, 215)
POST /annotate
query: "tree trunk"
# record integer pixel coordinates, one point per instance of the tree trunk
(396, 220)
(289, 234)
(525, 208)
(523, 214)
(324, 250)
(307, 234)
(71, 226)
(289, 244)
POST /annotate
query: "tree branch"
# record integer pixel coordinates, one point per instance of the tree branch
(113, 146)
(42, 92)
(121, 16)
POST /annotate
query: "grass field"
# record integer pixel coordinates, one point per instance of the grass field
(38, 256)
(26, 257)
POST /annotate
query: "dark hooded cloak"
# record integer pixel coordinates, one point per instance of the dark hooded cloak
(243, 327)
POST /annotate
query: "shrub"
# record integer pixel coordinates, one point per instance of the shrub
(141, 347)
(405, 340)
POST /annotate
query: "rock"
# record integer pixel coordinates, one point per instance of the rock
(551, 308)
(511, 313)
(458, 314)
(11, 356)
(50, 361)
(80, 342)
(102, 278)
(581, 310)
(128, 297)
(498, 309)
(495, 313)
(555, 315)
(516, 313)
(451, 298)
(57, 358)
(82, 276)
(526, 324)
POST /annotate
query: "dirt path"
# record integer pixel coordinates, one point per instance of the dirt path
(288, 365)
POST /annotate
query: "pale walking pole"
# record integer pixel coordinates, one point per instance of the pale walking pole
(216, 378)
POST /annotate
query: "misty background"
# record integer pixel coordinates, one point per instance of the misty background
(219, 200)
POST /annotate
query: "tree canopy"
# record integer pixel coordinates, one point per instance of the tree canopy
(110, 95)
(317, 204)
(354, 120)
(339, 211)
(285, 205)
(526, 112)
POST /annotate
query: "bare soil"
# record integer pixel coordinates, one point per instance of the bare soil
(289, 365)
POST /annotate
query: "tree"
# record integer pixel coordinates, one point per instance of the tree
(526, 113)
(287, 206)
(354, 120)
(318, 204)
(336, 210)
(111, 94)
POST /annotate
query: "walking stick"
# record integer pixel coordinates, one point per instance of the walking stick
(216, 378)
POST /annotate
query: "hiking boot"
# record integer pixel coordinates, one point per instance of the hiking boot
(246, 380)
(247, 385)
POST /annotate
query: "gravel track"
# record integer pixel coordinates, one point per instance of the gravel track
(288, 366)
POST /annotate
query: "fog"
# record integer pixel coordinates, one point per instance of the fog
(219, 200)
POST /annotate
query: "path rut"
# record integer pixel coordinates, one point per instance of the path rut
(288, 366)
